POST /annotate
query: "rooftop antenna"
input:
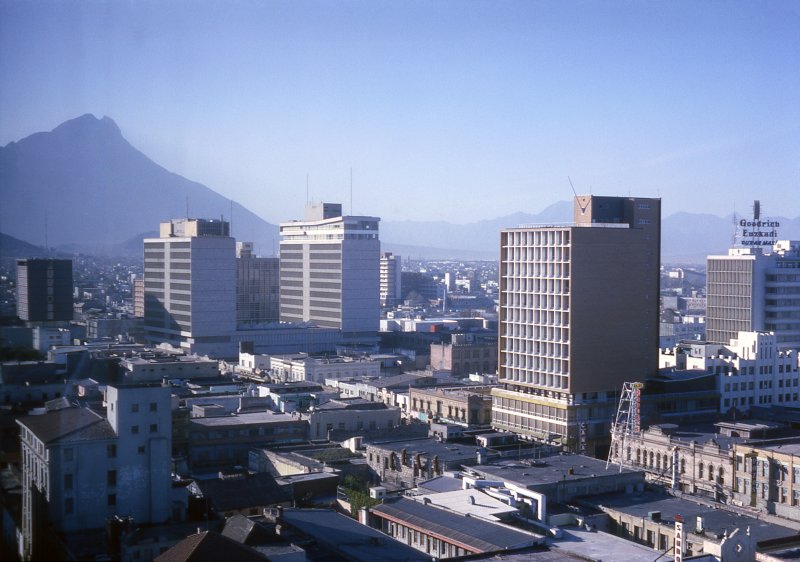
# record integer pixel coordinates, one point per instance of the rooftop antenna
(46, 243)
(583, 207)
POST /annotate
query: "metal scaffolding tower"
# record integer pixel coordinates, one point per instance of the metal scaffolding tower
(626, 424)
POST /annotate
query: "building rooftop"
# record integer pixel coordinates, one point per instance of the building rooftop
(547, 470)
(473, 533)
(73, 424)
(447, 452)
(472, 502)
(351, 404)
(598, 546)
(208, 546)
(349, 538)
(242, 492)
(716, 522)
(252, 418)
(440, 484)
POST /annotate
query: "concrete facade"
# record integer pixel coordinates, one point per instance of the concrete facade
(559, 372)
(79, 468)
(301, 367)
(390, 279)
(459, 405)
(752, 370)
(351, 414)
(750, 290)
(190, 286)
(257, 286)
(330, 272)
(465, 355)
(44, 290)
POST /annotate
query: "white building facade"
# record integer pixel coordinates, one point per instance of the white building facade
(330, 272)
(190, 286)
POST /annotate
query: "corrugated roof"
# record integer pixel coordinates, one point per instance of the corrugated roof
(475, 534)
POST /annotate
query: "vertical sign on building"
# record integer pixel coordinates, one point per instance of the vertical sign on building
(680, 538)
(582, 438)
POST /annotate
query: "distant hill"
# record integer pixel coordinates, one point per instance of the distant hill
(98, 194)
(96, 191)
(11, 248)
(685, 237)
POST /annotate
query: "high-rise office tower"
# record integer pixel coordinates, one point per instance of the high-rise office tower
(190, 285)
(44, 290)
(755, 289)
(330, 272)
(257, 286)
(578, 317)
(390, 279)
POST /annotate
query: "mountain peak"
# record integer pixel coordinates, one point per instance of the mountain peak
(88, 123)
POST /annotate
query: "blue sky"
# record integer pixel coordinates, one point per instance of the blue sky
(444, 110)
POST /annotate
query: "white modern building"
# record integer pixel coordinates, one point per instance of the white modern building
(752, 370)
(755, 289)
(190, 286)
(330, 272)
(390, 279)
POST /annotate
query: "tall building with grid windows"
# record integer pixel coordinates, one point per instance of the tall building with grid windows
(329, 272)
(750, 290)
(44, 290)
(257, 287)
(190, 286)
(578, 316)
(391, 283)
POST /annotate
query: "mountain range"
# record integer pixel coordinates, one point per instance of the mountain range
(83, 187)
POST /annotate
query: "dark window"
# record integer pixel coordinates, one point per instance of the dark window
(112, 499)
(68, 481)
(153, 406)
(111, 477)
(134, 408)
(112, 451)
(153, 428)
(135, 430)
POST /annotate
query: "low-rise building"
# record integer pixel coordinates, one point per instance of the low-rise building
(752, 370)
(766, 477)
(650, 517)
(469, 406)
(80, 468)
(465, 354)
(219, 442)
(407, 463)
(696, 460)
(351, 415)
(303, 367)
(446, 534)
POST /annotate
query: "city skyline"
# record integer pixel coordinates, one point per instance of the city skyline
(432, 106)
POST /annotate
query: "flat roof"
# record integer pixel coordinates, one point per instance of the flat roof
(548, 470)
(244, 419)
(473, 501)
(715, 521)
(429, 447)
(602, 547)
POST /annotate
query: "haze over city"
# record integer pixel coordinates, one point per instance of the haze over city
(399, 281)
(452, 111)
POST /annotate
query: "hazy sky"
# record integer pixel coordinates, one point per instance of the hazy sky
(444, 110)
